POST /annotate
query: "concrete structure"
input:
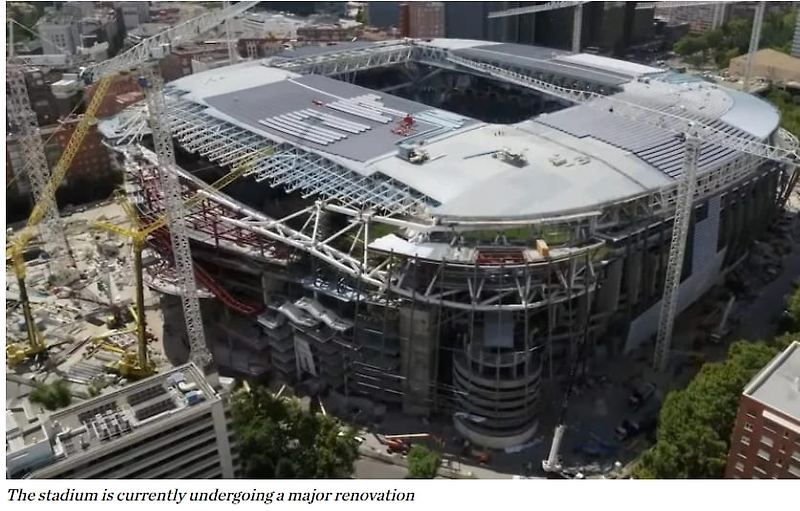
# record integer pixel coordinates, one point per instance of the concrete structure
(796, 40)
(422, 19)
(68, 30)
(765, 442)
(326, 32)
(133, 13)
(59, 33)
(772, 65)
(172, 425)
(179, 62)
(444, 248)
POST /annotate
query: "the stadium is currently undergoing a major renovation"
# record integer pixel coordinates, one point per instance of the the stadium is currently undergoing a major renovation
(420, 224)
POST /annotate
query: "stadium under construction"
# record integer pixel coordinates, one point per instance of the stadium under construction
(426, 225)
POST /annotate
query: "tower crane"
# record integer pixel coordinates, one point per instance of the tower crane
(23, 118)
(145, 52)
(44, 206)
(140, 366)
(694, 133)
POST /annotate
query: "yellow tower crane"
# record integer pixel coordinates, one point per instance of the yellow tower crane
(18, 352)
(147, 51)
(138, 364)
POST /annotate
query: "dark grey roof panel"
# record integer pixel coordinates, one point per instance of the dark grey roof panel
(658, 148)
(268, 101)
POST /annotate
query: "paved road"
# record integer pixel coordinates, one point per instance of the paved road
(368, 468)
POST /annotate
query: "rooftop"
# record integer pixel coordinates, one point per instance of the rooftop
(778, 384)
(103, 421)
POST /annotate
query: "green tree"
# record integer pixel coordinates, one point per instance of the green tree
(361, 16)
(789, 109)
(52, 395)
(423, 463)
(733, 38)
(695, 423)
(278, 439)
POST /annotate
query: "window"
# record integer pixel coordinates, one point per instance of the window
(794, 470)
(766, 441)
(739, 466)
(745, 440)
(764, 455)
(748, 426)
(760, 470)
(769, 427)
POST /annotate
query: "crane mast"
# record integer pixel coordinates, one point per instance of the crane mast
(38, 171)
(677, 250)
(175, 212)
(755, 37)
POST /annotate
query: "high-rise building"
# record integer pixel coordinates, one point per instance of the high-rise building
(467, 20)
(422, 19)
(172, 425)
(699, 17)
(608, 26)
(383, 14)
(765, 442)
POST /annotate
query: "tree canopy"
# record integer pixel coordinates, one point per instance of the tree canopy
(790, 114)
(423, 463)
(52, 395)
(695, 423)
(277, 439)
(733, 39)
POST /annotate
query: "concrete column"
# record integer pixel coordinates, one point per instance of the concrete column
(609, 293)
(223, 444)
(634, 271)
(418, 338)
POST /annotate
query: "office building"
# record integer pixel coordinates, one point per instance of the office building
(172, 425)
(765, 443)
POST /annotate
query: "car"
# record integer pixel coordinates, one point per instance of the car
(634, 426)
(641, 395)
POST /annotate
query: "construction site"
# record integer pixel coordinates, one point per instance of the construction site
(453, 234)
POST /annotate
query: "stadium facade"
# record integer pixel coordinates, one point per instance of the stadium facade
(416, 232)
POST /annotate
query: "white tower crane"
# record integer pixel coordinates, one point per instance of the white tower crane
(755, 38)
(29, 138)
(144, 55)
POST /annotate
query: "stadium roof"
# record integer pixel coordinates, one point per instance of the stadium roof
(574, 160)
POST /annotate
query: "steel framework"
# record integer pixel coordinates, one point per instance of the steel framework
(22, 116)
(173, 201)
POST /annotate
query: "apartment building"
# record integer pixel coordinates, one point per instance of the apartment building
(765, 443)
(172, 425)
(422, 19)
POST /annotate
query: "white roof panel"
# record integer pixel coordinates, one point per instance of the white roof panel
(608, 64)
